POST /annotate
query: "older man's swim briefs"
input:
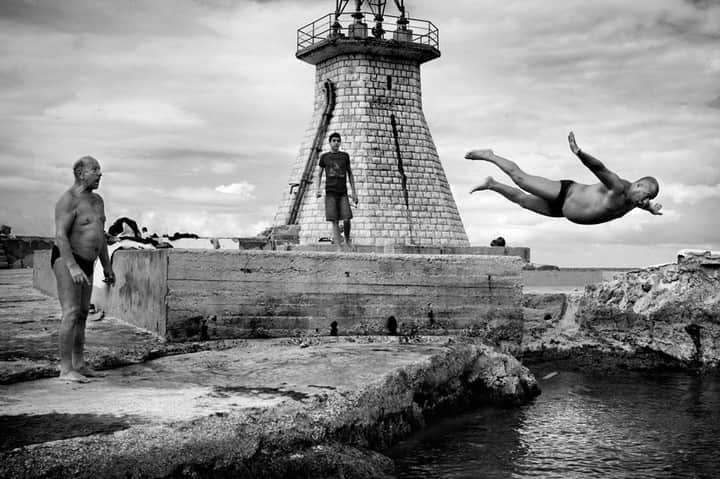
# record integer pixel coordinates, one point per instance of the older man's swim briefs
(557, 206)
(86, 266)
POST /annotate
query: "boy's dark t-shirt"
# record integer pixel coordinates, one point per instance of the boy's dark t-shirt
(336, 166)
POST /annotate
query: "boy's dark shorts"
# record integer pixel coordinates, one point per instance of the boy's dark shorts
(337, 207)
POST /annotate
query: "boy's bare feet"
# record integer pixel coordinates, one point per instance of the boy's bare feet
(73, 376)
(90, 373)
(486, 155)
(486, 184)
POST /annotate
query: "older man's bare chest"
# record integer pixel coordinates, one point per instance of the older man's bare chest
(89, 213)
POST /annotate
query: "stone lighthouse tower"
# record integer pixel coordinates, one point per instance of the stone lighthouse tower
(367, 88)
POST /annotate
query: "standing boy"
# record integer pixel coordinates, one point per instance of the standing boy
(336, 165)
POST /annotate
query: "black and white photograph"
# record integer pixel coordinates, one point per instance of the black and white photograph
(359, 239)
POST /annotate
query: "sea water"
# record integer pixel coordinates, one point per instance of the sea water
(584, 425)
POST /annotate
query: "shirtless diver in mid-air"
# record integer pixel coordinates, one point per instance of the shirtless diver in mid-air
(592, 204)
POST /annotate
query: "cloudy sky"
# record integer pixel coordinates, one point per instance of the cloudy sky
(196, 110)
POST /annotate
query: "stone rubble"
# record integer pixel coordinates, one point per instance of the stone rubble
(658, 316)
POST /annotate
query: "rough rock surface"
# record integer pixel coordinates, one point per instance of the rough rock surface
(660, 316)
(323, 408)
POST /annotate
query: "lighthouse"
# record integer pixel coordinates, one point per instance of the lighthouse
(368, 89)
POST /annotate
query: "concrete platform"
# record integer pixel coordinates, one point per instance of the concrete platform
(248, 410)
(29, 323)
(293, 407)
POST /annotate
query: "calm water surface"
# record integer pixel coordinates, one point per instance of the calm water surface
(635, 425)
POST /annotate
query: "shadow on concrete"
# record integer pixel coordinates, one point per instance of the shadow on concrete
(25, 429)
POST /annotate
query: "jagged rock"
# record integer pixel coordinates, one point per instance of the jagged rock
(663, 313)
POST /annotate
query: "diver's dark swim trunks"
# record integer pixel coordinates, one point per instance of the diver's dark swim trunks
(85, 265)
(557, 205)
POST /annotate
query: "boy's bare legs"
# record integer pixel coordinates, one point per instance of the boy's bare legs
(346, 232)
(337, 238)
(535, 185)
(516, 195)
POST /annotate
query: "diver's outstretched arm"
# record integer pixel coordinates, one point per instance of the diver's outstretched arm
(651, 206)
(608, 178)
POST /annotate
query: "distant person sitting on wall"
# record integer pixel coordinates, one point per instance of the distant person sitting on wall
(79, 241)
(592, 204)
(176, 236)
(124, 228)
(499, 241)
(336, 165)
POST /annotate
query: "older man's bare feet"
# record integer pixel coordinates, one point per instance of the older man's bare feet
(485, 185)
(73, 376)
(486, 155)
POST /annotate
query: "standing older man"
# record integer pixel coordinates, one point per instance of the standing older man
(79, 241)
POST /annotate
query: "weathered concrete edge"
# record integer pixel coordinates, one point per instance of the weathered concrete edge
(290, 439)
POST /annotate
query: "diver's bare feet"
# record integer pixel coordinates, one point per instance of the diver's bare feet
(486, 155)
(486, 184)
(73, 376)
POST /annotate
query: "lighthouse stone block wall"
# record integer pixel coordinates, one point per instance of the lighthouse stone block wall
(369, 90)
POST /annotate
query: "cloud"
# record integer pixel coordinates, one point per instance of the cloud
(241, 190)
(691, 194)
(197, 109)
(144, 113)
(704, 4)
(205, 223)
(104, 17)
(220, 197)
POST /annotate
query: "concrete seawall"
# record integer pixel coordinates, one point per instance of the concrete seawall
(192, 294)
(518, 251)
(17, 251)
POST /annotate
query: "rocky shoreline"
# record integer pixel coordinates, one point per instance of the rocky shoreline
(660, 317)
